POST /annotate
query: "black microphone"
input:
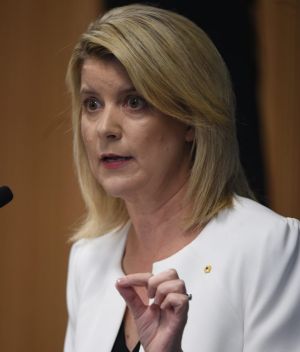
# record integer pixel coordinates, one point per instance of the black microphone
(5, 195)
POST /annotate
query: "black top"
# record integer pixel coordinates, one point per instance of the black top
(120, 343)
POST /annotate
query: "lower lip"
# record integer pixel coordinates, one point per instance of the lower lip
(115, 164)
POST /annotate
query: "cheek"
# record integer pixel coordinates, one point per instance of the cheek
(86, 135)
(170, 142)
(88, 145)
(161, 148)
(151, 145)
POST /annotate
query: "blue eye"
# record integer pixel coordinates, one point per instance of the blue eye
(91, 104)
(136, 102)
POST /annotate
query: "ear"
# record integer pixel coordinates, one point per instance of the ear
(189, 134)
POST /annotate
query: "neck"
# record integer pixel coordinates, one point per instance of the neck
(157, 228)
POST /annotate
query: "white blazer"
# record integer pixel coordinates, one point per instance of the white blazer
(243, 271)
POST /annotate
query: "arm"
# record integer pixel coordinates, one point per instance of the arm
(272, 312)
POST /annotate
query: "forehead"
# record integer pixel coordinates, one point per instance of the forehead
(104, 72)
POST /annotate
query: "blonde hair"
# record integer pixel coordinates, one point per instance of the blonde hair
(178, 70)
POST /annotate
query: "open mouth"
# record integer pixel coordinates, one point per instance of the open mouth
(114, 158)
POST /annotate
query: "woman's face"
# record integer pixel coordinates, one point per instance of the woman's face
(133, 149)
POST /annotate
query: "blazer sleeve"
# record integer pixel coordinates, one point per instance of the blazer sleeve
(272, 321)
(72, 299)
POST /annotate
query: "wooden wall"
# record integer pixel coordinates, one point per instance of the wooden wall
(278, 28)
(35, 152)
(35, 161)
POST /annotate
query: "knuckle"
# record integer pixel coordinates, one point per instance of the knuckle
(181, 284)
(160, 291)
(151, 281)
(185, 299)
(173, 272)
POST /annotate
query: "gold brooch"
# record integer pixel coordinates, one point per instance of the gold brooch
(207, 269)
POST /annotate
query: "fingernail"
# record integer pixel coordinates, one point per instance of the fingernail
(121, 280)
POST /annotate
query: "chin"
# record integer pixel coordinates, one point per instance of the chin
(118, 189)
(123, 186)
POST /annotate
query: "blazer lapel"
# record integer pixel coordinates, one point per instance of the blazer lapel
(101, 313)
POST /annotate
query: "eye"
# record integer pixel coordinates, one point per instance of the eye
(135, 102)
(91, 104)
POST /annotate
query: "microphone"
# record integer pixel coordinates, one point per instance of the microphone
(5, 195)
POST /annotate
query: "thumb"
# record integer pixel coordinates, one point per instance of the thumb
(132, 299)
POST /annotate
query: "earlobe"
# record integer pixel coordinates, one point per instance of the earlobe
(190, 134)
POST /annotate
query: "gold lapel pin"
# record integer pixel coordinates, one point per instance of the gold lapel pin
(207, 269)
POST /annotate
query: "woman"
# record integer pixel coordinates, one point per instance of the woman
(173, 254)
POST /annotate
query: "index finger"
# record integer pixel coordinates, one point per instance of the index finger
(138, 279)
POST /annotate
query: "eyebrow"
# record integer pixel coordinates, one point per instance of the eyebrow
(125, 90)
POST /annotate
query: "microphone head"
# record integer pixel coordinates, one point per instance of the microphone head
(5, 195)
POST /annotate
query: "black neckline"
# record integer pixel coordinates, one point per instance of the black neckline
(120, 342)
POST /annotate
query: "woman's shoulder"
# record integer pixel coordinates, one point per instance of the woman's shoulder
(250, 220)
(255, 249)
(250, 232)
(91, 243)
(255, 255)
(252, 210)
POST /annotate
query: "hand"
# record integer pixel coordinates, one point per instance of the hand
(160, 325)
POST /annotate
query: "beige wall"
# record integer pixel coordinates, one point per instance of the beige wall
(35, 153)
(35, 161)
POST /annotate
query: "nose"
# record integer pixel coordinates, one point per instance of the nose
(109, 124)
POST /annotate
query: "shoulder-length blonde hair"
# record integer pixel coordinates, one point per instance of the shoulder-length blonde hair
(178, 70)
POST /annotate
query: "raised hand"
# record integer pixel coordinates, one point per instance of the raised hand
(160, 325)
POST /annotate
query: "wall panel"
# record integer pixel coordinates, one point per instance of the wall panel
(36, 162)
(279, 34)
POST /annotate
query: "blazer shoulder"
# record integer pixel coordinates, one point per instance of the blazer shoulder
(86, 248)
(251, 221)
(253, 239)
(250, 210)
(256, 255)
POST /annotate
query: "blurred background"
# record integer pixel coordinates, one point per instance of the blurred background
(260, 42)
